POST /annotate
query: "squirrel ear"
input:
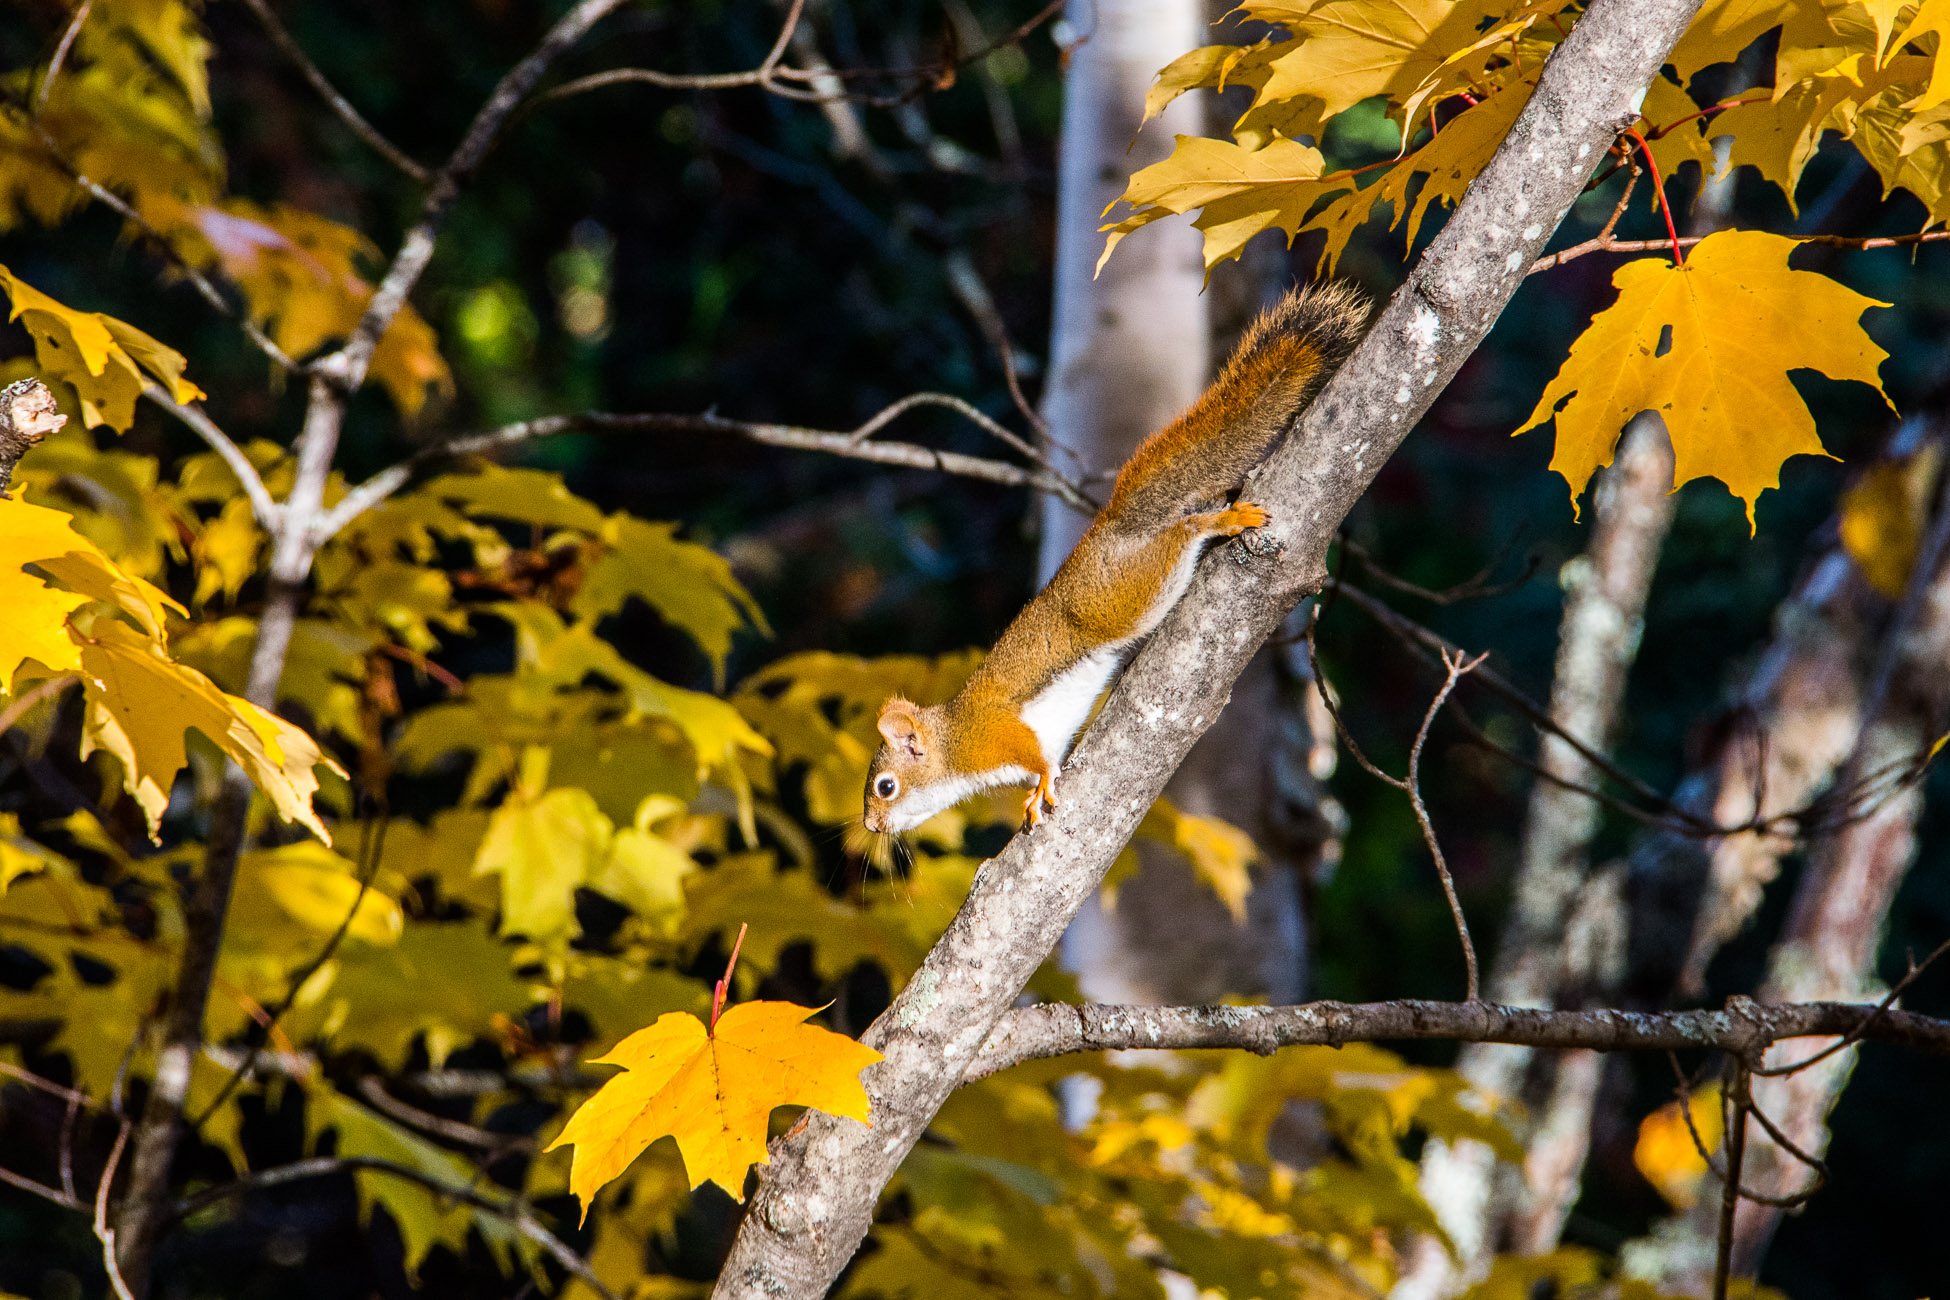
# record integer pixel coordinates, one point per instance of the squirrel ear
(899, 726)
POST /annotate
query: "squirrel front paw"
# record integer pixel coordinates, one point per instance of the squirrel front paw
(1041, 794)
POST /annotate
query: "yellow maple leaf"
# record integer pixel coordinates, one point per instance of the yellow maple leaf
(102, 358)
(690, 586)
(543, 846)
(36, 613)
(1349, 50)
(1665, 1153)
(713, 1090)
(140, 704)
(1739, 321)
(1242, 191)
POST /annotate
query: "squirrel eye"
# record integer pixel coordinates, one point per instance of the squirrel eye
(887, 785)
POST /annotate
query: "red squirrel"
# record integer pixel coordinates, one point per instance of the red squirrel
(1016, 719)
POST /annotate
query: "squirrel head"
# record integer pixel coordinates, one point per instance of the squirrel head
(908, 769)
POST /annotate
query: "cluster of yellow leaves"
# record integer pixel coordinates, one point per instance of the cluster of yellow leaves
(101, 358)
(106, 626)
(131, 111)
(1709, 345)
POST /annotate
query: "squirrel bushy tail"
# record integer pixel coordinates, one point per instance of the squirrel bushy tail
(1282, 360)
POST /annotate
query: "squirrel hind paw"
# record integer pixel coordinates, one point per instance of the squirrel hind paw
(1240, 516)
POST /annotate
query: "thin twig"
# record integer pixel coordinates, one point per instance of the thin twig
(263, 507)
(1603, 245)
(42, 1190)
(1829, 811)
(28, 699)
(346, 368)
(1430, 643)
(61, 55)
(967, 284)
(369, 851)
(1789, 1202)
(852, 444)
(1476, 587)
(68, 1119)
(33, 1080)
(1457, 667)
(495, 1145)
(1735, 1100)
(1849, 1038)
(936, 76)
(104, 1233)
(512, 1211)
(354, 121)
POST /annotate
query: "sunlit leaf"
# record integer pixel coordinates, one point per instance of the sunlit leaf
(713, 1090)
(140, 704)
(1739, 321)
(104, 360)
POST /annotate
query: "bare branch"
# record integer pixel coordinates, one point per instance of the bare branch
(354, 121)
(770, 75)
(373, 1089)
(68, 36)
(1795, 1067)
(42, 1190)
(1061, 1029)
(762, 75)
(967, 285)
(263, 507)
(854, 444)
(370, 848)
(1735, 1100)
(347, 366)
(512, 1210)
(104, 1233)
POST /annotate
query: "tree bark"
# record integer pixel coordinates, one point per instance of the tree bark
(816, 1200)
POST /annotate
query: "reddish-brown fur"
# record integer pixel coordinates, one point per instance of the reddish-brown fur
(1173, 494)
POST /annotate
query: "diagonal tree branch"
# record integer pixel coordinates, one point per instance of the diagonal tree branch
(816, 1201)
